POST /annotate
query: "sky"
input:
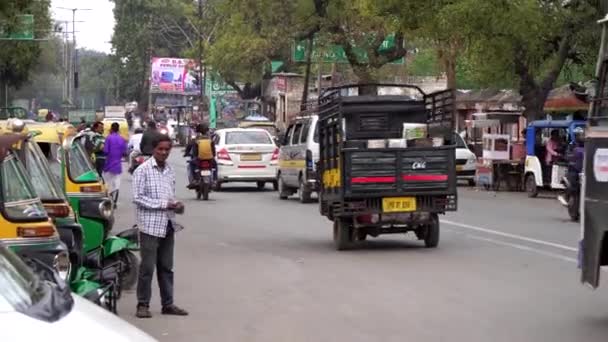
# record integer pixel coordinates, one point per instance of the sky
(95, 31)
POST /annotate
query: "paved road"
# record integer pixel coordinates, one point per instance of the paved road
(253, 268)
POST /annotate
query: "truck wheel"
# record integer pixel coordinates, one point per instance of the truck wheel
(343, 237)
(261, 185)
(303, 193)
(531, 187)
(283, 191)
(431, 238)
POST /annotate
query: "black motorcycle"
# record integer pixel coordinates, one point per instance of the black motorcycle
(203, 178)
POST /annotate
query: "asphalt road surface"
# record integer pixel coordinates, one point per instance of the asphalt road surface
(250, 267)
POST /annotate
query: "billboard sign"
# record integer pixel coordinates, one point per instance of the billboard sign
(174, 76)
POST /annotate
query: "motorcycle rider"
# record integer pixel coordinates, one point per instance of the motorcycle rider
(147, 139)
(192, 151)
(133, 147)
(576, 158)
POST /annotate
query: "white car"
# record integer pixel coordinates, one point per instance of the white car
(466, 161)
(246, 155)
(35, 310)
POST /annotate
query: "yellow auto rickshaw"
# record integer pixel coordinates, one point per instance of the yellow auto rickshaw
(25, 226)
(89, 199)
(123, 127)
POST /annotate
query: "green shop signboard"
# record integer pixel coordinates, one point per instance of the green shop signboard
(336, 54)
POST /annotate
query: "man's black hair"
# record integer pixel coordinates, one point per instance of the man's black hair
(97, 124)
(161, 138)
(115, 127)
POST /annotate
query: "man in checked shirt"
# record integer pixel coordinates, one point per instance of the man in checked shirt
(156, 206)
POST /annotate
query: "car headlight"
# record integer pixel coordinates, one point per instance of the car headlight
(471, 160)
(62, 264)
(106, 210)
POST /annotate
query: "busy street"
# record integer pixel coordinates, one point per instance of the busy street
(303, 170)
(251, 267)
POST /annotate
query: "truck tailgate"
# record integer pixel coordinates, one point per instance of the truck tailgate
(395, 172)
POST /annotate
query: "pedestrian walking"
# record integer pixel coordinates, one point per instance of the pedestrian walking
(114, 148)
(156, 206)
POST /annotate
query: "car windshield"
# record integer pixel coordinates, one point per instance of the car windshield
(18, 196)
(17, 281)
(52, 154)
(45, 183)
(247, 137)
(79, 165)
(459, 141)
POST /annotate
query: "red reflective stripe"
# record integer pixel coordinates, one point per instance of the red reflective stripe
(425, 178)
(362, 180)
(252, 166)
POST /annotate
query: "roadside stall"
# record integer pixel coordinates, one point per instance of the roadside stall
(502, 152)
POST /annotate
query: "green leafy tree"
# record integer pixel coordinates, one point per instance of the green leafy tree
(527, 43)
(18, 58)
(145, 29)
(252, 33)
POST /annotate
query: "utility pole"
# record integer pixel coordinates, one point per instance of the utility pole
(75, 64)
(202, 75)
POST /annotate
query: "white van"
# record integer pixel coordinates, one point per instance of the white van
(298, 158)
(466, 161)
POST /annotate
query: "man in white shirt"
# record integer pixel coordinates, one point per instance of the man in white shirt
(133, 146)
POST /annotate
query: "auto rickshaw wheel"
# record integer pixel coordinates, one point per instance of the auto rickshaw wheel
(343, 234)
(531, 187)
(431, 236)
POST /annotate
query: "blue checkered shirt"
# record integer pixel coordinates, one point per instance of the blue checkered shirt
(153, 189)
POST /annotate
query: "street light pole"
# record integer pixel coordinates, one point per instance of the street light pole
(201, 74)
(75, 65)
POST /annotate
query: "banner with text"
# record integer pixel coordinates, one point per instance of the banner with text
(174, 76)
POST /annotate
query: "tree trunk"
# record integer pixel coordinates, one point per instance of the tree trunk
(365, 77)
(3, 94)
(447, 53)
(534, 94)
(307, 72)
(450, 72)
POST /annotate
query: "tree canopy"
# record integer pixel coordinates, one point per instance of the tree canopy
(19, 58)
(527, 44)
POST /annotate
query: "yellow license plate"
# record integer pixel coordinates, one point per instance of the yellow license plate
(398, 204)
(459, 167)
(251, 157)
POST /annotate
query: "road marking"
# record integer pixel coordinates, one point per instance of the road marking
(511, 236)
(524, 248)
